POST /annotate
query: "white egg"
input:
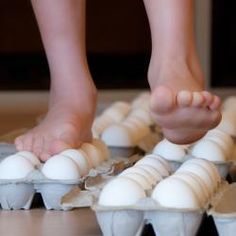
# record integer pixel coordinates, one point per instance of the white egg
(144, 183)
(100, 123)
(211, 168)
(121, 192)
(201, 173)
(229, 103)
(228, 123)
(209, 150)
(162, 160)
(142, 114)
(151, 170)
(15, 167)
(224, 140)
(79, 157)
(138, 128)
(136, 169)
(170, 151)
(175, 193)
(118, 136)
(206, 193)
(155, 163)
(93, 153)
(194, 183)
(61, 168)
(106, 154)
(30, 157)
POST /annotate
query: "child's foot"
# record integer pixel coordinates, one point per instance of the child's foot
(179, 104)
(66, 125)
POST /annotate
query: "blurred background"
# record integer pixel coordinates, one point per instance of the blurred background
(118, 44)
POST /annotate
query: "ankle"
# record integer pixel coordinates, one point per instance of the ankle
(162, 70)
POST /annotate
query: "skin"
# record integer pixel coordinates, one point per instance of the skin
(178, 100)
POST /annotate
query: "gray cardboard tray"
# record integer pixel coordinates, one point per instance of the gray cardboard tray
(223, 210)
(19, 193)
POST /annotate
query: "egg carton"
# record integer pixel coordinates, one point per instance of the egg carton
(19, 193)
(130, 220)
(223, 211)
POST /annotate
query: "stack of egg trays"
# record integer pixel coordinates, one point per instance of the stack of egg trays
(222, 166)
(19, 193)
(223, 211)
(130, 220)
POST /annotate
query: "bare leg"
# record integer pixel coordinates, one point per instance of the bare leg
(178, 102)
(73, 94)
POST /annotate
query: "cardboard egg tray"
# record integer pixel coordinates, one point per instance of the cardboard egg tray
(19, 193)
(130, 220)
(223, 211)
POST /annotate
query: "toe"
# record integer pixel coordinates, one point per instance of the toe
(184, 98)
(19, 143)
(198, 99)
(44, 156)
(38, 145)
(216, 103)
(162, 100)
(208, 98)
(28, 142)
(58, 146)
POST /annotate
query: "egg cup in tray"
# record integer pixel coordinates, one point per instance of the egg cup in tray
(130, 220)
(223, 211)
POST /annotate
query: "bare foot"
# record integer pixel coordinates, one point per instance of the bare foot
(179, 104)
(66, 125)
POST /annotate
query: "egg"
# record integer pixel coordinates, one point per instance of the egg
(144, 183)
(138, 170)
(202, 184)
(101, 123)
(98, 143)
(170, 151)
(155, 163)
(175, 193)
(229, 103)
(224, 140)
(118, 136)
(195, 184)
(228, 123)
(209, 150)
(79, 157)
(138, 128)
(142, 114)
(30, 157)
(201, 173)
(123, 107)
(60, 167)
(211, 168)
(121, 191)
(156, 176)
(15, 167)
(162, 160)
(93, 153)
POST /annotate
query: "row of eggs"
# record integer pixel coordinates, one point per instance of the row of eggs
(190, 187)
(70, 164)
(216, 145)
(144, 175)
(124, 124)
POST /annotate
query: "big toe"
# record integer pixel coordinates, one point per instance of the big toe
(163, 100)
